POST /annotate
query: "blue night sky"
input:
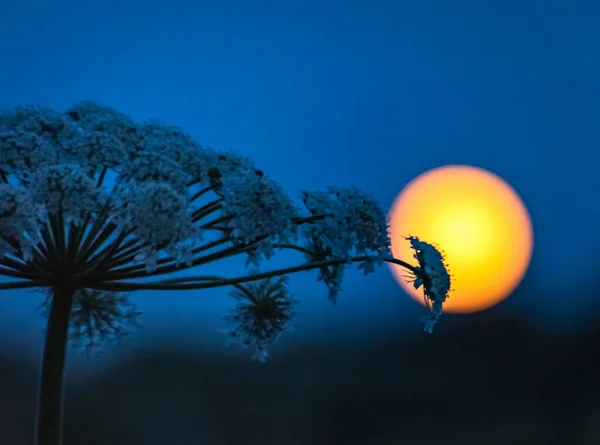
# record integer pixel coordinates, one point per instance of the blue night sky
(365, 93)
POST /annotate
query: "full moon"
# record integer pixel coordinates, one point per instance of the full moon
(480, 224)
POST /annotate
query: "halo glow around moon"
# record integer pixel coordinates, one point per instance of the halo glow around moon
(478, 221)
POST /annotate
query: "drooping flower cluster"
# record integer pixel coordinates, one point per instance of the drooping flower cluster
(433, 275)
(97, 319)
(262, 313)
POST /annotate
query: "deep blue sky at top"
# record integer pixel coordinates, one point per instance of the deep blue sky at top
(331, 92)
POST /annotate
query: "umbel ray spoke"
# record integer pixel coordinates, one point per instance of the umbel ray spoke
(139, 271)
(23, 284)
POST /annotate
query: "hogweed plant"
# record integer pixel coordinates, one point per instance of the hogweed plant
(94, 205)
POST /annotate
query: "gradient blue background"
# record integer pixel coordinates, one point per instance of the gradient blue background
(332, 92)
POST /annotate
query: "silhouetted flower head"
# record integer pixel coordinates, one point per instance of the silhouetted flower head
(262, 313)
(97, 319)
(432, 274)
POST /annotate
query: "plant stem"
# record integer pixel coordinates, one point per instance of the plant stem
(48, 429)
(209, 282)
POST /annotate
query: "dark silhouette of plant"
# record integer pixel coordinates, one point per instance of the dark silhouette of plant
(93, 204)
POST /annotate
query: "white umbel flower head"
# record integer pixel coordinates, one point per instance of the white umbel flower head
(155, 167)
(101, 135)
(432, 274)
(357, 224)
(45, 122)
(230, 167)
(68, 188)
(21, 151)
(97, 148)
(259, 207)
(159, 216)
(175, 144)
(93, 116)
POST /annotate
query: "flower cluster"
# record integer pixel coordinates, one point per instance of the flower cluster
(432, 274)
(92, 116)
(28, 138)
(150, 166)
(259, 207)
(262, 313)
(20, 218)
(230, 167)
(159, 217)
(98, 318)
(354, 224)
(172, 142)
(67, 188)
(44, 122)
(101, 135)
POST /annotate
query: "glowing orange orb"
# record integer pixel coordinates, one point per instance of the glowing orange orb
(477, 220)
